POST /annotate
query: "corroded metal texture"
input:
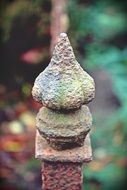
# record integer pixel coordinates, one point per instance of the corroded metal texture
(64, 129)
(63, 123)
(63, 84)
(59, 176)
(45, 152)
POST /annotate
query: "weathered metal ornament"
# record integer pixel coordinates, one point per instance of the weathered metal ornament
(64, 129)
(63, 85)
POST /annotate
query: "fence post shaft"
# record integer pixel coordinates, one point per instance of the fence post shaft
(64, 121)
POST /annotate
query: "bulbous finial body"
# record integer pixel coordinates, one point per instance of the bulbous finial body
(63, 84)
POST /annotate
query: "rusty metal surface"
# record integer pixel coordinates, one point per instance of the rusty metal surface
(62, 176)
(62, 139)
(45, 152)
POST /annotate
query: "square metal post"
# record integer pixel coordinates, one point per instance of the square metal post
(62, 170)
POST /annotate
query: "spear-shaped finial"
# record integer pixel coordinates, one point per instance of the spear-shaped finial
(63, 84)
(63, 122)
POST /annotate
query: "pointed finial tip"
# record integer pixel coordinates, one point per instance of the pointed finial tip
(63, 35)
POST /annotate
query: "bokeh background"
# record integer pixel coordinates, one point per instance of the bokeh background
(97, 30)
